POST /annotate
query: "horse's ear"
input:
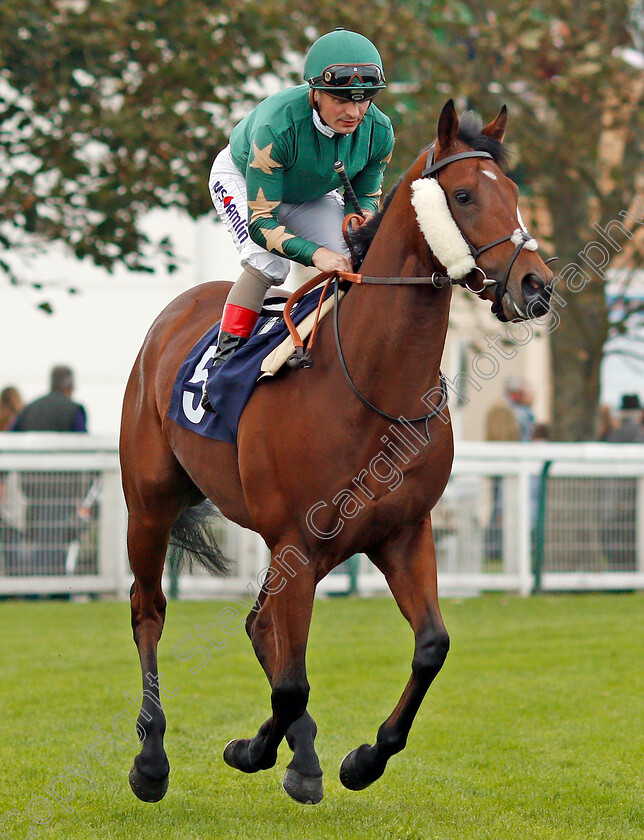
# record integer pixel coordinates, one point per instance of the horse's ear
(447, 127)
(496, 129)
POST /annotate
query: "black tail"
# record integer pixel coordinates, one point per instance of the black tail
(193, 534)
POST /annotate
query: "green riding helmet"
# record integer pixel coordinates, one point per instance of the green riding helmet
(345, 64)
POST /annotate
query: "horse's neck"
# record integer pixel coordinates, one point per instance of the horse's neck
(393, 336)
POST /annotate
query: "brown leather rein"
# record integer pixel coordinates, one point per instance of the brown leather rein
(436, 280)
(302, 358)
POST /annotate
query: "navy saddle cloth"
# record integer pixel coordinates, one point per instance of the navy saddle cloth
(231, 384)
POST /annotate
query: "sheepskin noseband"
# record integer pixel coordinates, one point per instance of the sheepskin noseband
(444, 238)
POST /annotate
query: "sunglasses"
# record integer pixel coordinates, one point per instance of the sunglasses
(343, 75)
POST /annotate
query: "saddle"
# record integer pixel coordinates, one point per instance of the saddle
(270, 346)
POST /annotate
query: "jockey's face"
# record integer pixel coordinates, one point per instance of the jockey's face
(342, 115)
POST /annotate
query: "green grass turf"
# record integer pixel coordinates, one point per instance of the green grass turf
(532, 730)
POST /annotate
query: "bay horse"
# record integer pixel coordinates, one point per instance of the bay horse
(319, 473)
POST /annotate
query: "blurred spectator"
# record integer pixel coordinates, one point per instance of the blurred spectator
(11, 405)
(506, 420)
(605, 422)
(541, 432)
(501, 423)
(630, 428)
(13, 521)
(53, 497)
(520, 396)
(619, 516)
(12, 500)
(512, 417)
(54, 412)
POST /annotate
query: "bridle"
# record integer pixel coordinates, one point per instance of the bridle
(520, 237)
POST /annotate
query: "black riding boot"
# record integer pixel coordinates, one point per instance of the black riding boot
(227, 343)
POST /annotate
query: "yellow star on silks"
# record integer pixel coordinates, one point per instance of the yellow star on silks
(262, 159)
(388, 158)
(276, 237)
(262, 207)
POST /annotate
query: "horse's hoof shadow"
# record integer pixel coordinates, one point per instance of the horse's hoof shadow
(147, 789)
(350, 775)
(236, 755)
(304, 789)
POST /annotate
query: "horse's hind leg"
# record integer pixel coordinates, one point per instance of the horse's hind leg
(147, 545)
(285, 614)
(303, 778)
(409, 564)
(156, 490)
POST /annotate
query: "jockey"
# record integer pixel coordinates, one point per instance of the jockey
(275, 187)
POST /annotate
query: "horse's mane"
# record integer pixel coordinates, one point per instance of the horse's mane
(469, 132)
(362, 237)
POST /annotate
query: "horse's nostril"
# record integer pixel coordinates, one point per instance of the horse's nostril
(536, 295)
(532, 285)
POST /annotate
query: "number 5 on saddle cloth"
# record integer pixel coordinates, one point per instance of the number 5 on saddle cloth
(230, 385)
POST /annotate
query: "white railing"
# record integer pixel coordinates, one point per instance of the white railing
(591, 535)
(62, 515)
(504, 523)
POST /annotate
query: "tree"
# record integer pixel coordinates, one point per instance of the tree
(571, 74)
(109, 110)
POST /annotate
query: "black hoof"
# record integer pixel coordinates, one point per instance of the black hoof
(148, 790)
(304, 789)
(236, 755)
(351, 777)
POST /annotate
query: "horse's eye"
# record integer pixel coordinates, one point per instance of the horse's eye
(462, 197)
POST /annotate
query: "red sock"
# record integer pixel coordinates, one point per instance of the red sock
(237, 320)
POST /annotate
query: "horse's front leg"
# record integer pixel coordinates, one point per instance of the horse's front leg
(279, 633)
(409, 564)
(303, 777)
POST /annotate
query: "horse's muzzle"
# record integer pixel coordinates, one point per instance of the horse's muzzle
(536, 295)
